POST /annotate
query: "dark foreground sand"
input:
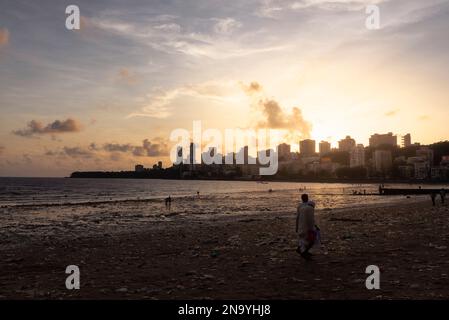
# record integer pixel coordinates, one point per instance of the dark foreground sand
(253, 257)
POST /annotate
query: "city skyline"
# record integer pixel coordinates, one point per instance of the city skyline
(108, 95)
(382, 159)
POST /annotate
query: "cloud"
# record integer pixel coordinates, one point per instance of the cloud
(159, 147)
(93, 146)
(115, 147)
(391, 113)
(56, 127)
(170, 27)
(423, 117)
(274, 8)
(269, 9)
(253, 87)
(77, 152)
(199, 39)
(275, 117)
(2, 148)
(4, 37)
(226, 26)
(162, 102)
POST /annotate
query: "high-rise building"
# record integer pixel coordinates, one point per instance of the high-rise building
(284, 151)
(357, 156)
(307, 147)
(194, 155)
(324, 147)
(407, 140)
(346, 144)
(383, 161)
(377, 140)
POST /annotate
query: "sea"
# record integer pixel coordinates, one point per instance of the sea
(66, 191)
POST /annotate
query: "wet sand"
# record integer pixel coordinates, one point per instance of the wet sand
(229, 256)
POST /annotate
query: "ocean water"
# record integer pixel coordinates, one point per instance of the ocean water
(60, 191)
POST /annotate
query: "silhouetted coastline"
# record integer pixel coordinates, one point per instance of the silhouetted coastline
(175, 176)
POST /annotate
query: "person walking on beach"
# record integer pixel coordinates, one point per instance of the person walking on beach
(433, 195)
(168, 203)
(305, 226)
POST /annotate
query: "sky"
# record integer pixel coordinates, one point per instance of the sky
(107, 96)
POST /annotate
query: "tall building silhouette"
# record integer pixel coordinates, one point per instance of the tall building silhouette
(324, 147)
(284, 151)
(377, 140)
(407, 140)
(346, 144)
(194, 158)
(307, 147)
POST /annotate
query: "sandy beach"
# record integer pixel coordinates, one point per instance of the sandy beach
(228, 256)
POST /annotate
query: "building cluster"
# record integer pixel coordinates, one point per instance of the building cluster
(232, 165)
(140, 168)
(382, 158)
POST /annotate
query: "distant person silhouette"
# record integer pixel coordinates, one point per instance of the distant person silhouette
(442, 195)
(168, 202)
(433, 196)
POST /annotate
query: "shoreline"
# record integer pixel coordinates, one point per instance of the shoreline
(159, 199)
(241, 257)
(305, 180)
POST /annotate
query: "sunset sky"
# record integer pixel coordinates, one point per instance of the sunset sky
(107, 96)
